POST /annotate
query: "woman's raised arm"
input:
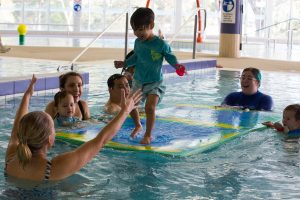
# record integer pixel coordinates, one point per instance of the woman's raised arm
(22, 110)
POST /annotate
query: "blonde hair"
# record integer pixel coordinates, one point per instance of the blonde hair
(33, 133)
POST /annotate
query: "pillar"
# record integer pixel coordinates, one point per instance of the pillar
(231, 28)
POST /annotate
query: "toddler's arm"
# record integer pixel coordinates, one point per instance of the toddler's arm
(275, 125)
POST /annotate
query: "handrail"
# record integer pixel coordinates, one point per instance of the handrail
(91, 43)
(284, 21)
(188, 20)
(289, 31)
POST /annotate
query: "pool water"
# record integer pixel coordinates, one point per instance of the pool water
(258, 165)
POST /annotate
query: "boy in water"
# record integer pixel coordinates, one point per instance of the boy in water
(149, 52)
(290, 121)
(65, 106)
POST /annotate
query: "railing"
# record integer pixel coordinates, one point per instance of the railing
(195, 28)
(71, 65)
(290, 31)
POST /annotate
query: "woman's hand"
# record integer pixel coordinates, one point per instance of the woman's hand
(30, 88)
(131, 102)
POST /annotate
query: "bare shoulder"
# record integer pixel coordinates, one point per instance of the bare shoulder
(86, 109)
(59, 169)
(50, 109)
(84, 103)
(111, 108)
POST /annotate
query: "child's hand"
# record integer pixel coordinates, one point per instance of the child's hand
(119, 64)
(180, 69)
(268, 124)
(275, 125)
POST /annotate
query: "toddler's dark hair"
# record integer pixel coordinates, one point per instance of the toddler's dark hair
(142, 17)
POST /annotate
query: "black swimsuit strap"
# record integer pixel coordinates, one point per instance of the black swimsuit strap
(81, 109)
(48, 170)
(56, 116)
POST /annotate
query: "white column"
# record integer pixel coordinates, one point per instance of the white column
(178, 16)
(77, 7)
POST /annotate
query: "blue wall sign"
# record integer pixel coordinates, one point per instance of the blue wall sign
(228, 14)
(228, 5)
(77, 7)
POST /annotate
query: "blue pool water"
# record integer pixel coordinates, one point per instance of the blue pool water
(259, 165)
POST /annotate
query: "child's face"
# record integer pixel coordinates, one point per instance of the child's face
(74, 86)
(143, 33)
(249, 83)
(289, 120)
(66, 106)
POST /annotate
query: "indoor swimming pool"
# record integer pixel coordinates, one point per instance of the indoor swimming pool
(257, 165)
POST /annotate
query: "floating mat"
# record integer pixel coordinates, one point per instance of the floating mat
(180, 131)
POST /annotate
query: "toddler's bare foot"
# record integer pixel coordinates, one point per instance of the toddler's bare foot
(136, 130)
(146, 140)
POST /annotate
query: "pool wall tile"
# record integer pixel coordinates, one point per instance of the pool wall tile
(21, 86)
(6, 88)
(192, 65)
(51, 81)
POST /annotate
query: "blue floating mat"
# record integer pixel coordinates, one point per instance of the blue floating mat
(181, 130)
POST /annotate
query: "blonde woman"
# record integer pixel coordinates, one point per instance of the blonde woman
(33, 135)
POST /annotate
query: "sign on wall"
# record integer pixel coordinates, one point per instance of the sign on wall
(77, 5)
(228, 11)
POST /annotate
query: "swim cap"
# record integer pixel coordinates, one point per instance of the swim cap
(257, 75)
(256, 72)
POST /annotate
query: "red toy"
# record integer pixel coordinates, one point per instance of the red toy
(180, 69)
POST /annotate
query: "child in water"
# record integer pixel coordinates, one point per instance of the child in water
(148, 56)
(290, 121)
(65, 106)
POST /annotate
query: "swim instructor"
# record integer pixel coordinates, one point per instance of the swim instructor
(250, 97)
